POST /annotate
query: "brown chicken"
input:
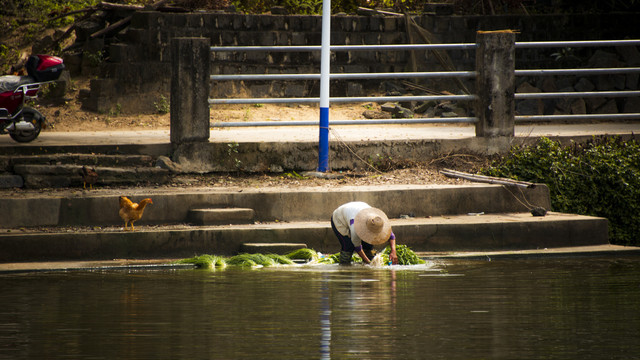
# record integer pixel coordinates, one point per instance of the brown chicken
(130, 211)
(89, 176)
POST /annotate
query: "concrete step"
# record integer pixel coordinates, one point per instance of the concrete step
(104, 160)
(509, 231)
(269, 204)
(55, 176)
(218, 216)
(270, 248)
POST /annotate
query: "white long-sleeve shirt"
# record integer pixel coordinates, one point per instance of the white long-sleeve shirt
(344, 218)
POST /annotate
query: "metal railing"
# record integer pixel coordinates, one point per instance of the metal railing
(346, 76)
(579, 72)
(427, 75)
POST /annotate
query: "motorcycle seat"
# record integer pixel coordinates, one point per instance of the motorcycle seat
(12, 82)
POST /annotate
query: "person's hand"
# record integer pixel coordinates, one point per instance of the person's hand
(393, 257)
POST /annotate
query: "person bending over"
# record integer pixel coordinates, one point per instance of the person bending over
(359, 227)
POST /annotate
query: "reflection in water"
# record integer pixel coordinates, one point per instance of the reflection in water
(325, 319)
(524, 309)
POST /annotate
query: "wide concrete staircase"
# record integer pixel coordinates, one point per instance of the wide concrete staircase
(184, 223)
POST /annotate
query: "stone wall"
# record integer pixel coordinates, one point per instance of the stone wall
(137, 70)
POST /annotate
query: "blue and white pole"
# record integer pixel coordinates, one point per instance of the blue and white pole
(325, 61)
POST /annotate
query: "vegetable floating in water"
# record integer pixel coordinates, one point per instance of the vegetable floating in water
(406, 256)
(303, 254)
(205, 261)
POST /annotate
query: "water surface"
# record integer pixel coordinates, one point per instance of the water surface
(586, 308)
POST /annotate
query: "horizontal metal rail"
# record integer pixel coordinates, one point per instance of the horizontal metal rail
(435, 74)
(276, 77)
(343, 99)
(309, 48)
(627, 116)
(564, 72)
(463, 120)
(577, 94)
(405, 47)
(586, 43)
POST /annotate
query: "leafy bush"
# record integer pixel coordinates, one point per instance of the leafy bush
(42, 10)
(597, 178)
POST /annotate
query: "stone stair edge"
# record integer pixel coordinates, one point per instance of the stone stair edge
(9, 161)
(223, 191)
(62, 169)
(141, 227)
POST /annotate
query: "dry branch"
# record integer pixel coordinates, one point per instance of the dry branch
(374, 11)
(486, 179)
(111, 6)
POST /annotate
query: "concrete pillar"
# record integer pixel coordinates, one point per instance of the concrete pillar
(190, 62)
(495, 83)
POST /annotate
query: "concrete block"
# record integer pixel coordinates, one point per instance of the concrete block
(390, 24)
(194, 20)
(375, 23)
(221, 216)
(495, 63)
(11, 181)
(29, 212)
(190, 58)
(6, 162)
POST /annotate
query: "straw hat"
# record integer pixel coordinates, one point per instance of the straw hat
(372, 226)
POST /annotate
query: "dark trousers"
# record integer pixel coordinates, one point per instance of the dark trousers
(347, 245)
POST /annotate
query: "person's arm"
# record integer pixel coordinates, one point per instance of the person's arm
(392, 254)
(363, 256)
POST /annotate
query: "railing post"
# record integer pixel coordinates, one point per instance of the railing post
(495, 83)
(325, 96)
(190, 63)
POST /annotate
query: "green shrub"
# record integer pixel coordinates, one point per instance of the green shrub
(162, 106)
(597, 178)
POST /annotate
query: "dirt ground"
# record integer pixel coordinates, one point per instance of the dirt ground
(67, 114)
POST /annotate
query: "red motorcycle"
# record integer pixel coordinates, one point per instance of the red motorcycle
(21, 122)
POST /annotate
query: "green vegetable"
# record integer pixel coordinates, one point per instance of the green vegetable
(330, 259)
(406, 256)
(280, 259)
(251, 260)
(303, 254)
(205, 261)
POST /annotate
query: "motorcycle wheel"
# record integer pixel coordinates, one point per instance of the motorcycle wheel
(34, 117)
